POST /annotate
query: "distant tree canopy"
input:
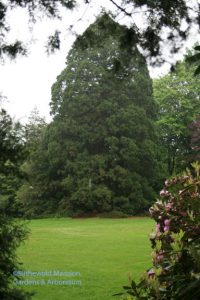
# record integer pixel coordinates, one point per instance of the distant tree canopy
(169, 21)
(33, 135)
(177, 96)
(98, 154)
(33, 131)
(195, 139)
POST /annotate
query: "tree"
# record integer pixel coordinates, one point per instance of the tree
(33, 134)
(33, 131)
(11, 156)
(177, 96)
(12, 233)
(98, 154)
(194, 58)
(164, 21)
(194, 129)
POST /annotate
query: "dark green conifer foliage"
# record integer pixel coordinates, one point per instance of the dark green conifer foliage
(100, 147)
(11, 156)
(12, 233)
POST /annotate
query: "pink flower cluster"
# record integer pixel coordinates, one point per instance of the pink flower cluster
(166, 227)
(166, 223)
(164, 193)
(159, 257)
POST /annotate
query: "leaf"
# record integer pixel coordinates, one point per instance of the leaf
(126, 287)
(197, 48)
(133, 285)
(191, 291)
(118, 294)
(193, 58)
(197, 71)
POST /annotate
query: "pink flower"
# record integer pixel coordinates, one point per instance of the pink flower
(168, 182)
(157, 228)
(167, 193)
(159, 257)
(183, 213)
(167, 222)
(162, 193)
(169, 206)
(151, 273)
(166, 228)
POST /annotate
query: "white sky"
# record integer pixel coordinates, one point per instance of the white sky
(27, 81)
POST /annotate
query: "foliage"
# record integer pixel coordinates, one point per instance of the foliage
(12, 233)
(177, 96)
(99, 152)
(176, 245)
(194, 128)
(161, 15)
(194, 59)
(158, 16)
(10, 139)
(115, 214)
(11, 156)
(33, 133)
(34, 8)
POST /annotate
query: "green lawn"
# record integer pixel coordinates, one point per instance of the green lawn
(104, 251)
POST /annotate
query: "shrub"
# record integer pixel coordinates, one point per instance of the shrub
(175, 273)
(12, 233)
(114, 214)
(95, 200)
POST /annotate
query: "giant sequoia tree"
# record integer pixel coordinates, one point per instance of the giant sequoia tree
(98, 154)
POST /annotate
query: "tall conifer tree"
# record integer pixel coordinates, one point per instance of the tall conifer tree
(100, 145)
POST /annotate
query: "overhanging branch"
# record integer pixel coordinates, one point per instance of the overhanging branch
(121, 8)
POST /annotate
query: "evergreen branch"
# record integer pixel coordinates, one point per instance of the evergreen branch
(121, 8)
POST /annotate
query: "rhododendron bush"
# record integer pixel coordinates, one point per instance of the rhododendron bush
(175, 273)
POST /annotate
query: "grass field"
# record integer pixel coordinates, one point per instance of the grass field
(103, 251)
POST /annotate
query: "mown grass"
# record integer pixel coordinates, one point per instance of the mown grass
(104, 251)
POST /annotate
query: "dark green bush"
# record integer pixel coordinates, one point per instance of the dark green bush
(12, 233)
(114, 214)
